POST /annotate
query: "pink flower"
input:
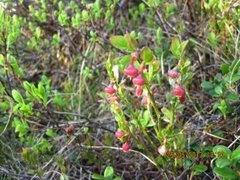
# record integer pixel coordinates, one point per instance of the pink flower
(144, 101)
(131, 71)
(110, 90)
(173, 74)
(126, 146)
(139, 80)
(139, 91)
(162, 150)
(119, 134)
(178, 91)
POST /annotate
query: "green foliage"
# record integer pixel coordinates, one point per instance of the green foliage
(21, 127)
(146, 55)
(226, 164)
(178, 48)
(147, 116)
(108, 175)
(126, 43)
(53, 57)
(199, 169)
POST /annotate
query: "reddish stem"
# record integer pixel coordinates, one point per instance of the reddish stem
(142, 68)
(132, 61)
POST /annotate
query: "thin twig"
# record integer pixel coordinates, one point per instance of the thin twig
(119, 149)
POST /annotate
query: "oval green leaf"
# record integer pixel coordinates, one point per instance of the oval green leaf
(146, 55)
(222, 162)
(119, 42)
(17, 97)
(236, 154)
(199, 169)
(225, 172)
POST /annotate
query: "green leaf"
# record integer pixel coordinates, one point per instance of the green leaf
(97, 176)
(42, 92)
(167, 114)
(151, 124)
(232, 96)
(235, 78)
(222, 162)
(159, 35)
(236, 154)
(2, 61)
(117, 178)
(119, 42)
(29, 156)
(218, 90)
(17, 97)
(51, 133)
(38, 32)
(146, 118)
(225, 172)
(21, 126)
(124, 62)
(132, 43)
(199, 169)
(63, 18)
(221, 149)
(170, 9)
(187, 162)
(206, 85)
(109, 172)
(225, 68)
(27, 86)
(175, 47)
(85, 15)
(26, 108)
(183, 46)
(146, 55)
(60, 5)
(212, 39)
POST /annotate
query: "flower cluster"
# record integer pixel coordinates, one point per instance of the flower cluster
(137, 78)
(178, 88)
(111, 92)
(138, 81)
(120, 135)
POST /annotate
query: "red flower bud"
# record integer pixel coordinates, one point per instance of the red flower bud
(182, 99)
(173, 74)
(139, 81)
(178, 91)
(125, 147)
(144, 101)
(162, 150)
(119, 134)
(139, 91)
(70, 129)
(131, 71)
(109, 90)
